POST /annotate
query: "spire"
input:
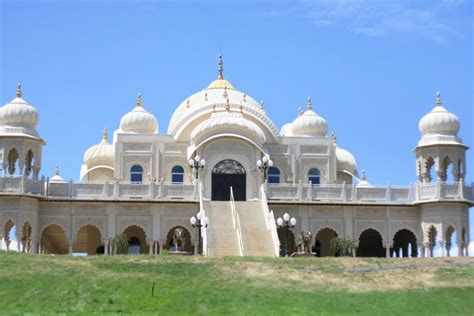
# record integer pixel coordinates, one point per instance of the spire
(438, 99)
(105, 136)
(333, 135)
(363, 177)
(300, 111)
(308, 104)
(262, 105)
(139, 100)
(56, 170)
(18, 90)
(220, 69)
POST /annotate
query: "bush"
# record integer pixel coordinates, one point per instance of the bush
(342, 247)
(120, 245)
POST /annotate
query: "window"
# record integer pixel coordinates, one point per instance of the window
(273, 175)
(314, 176)
(177, 174)
(136, 174)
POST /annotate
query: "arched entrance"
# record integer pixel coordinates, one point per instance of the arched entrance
(228, 173)
(170, 245)
(323, 242)
(402, 241)
(136, 240)
(370, 244)
(88, 240)
(53, 240)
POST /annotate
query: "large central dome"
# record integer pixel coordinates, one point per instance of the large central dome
(220, 94)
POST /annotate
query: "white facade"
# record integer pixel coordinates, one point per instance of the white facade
(142, 183)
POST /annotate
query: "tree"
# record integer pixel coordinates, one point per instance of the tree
(342, 247)
(120, 245)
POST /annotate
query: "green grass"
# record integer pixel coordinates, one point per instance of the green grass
(247, 286)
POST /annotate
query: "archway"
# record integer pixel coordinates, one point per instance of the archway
(322, 243)
(9, 229)
(26, 237)
(450, 237)
(225, 174)
(88, 240)
(402, 241)
(370, 244)
(188, 245)
(136, 240)
(53, 240)
(291, 241)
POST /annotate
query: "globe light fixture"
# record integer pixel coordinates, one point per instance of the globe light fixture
(197, 163)
(264, 164)
(199, 221)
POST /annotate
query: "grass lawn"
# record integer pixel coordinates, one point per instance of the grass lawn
(188, 285)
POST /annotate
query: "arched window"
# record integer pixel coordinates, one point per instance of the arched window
(177, 174)
(314, 176)
(273, 175)
(136, 174)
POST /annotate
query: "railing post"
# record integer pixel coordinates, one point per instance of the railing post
(354, 192)
(70, 188)
(461, 189)
(418, 189)
(438, 190)
(343, 193)
(116, 189)
(310, 191)
(389, 192)
(22, 184)
(300, 191)
(160, 189)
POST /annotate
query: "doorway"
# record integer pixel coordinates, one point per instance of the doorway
(228, 173)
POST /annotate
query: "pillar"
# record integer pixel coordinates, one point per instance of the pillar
(442, 245)
(161, 247)
(106, 247)
(150, 246)
(387, 250)
(70, 246)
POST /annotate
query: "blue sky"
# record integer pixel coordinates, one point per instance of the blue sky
(371, 67)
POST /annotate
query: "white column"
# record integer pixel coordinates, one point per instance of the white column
(70, 246)
(387, 250)
(150, 247)
(442, 245)
(106, 247)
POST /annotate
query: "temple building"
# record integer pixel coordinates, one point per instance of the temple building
(224, 180)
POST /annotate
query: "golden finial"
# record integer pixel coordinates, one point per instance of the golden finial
(139, 100)
(56, 171)
(105, 135)
(308, 104)
(18, 90)
(220, 69)
(438, 99)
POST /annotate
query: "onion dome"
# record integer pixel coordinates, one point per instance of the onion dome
(363, 183)
(287, 130)
(102, 154)
(229, 122)
(19, 113)
(345, 161)
(57, 177)
(439, 121)
(309, 123)
(139, 120)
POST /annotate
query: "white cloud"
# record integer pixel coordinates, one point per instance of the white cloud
(377, 18)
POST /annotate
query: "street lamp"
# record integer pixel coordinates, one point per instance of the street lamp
(264, 164)
(198, 222)
(197, 163)
(286, 223)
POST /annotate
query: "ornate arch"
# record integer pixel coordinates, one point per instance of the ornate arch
(411, 226)
(187, 237)
(79, 227)
(378, 226)
(44, 227)
(137, 225)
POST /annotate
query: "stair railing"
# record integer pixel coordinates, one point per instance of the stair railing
(270, 221)
(236, 221)
(205, 246)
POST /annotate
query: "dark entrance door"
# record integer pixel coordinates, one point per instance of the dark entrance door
(228, 173)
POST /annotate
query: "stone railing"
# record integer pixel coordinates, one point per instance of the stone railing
(375, 194)
(339, 193)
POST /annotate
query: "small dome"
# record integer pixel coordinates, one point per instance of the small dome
(310, 124)
(139, 120)
(363, 183)
(287, 130)
(345, 161)
(57, 177)
(100, 154)
(19, 113)
(226, 120)
(439, 121)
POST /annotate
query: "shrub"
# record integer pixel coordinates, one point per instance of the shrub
(342, 247)
(120, 245)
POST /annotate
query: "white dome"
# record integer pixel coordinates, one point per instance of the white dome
(139, 120)
(363, 183)
(100, 154)
(19, 113)
(310, 124)
(227, 120)
(57, 177)
(287, 130)
(439, 121)
(345, 161)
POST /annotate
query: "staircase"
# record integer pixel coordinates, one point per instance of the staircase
(222, 235)
(256, 237)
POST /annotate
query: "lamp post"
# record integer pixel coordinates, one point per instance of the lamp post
(197, 163)
(286, 223)
(198, 222)
(264, 164)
